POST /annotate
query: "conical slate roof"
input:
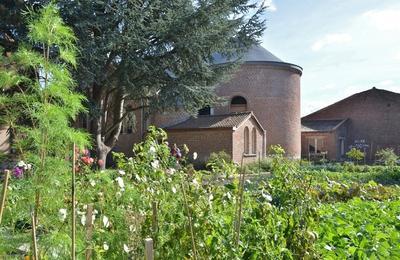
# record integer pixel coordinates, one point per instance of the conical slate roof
(256, 54)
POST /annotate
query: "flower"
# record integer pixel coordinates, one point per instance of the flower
(267, 197)
(155, 164)
(29, 166)
(121, 172)
(194, 156)
(126, 249)
(120, 182)
(18, 172)
(92, 182)
(152, 150)
(62, 214)
(105, 246)
(24, 247)
(170, 171)
(106, 222)
(173, 189)
(83, 220)
(21, 164)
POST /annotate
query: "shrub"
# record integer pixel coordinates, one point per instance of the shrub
(387, 156)
(355, 154)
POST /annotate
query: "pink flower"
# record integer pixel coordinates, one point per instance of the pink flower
(18, 172)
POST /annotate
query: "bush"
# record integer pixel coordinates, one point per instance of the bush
(355, 154)
(387, 156)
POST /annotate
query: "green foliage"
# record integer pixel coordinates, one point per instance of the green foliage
(360, 230)
(355, 154)
(221, 163)
(38, 103)
(387, 156)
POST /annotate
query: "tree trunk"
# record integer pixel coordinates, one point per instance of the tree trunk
(107, 128)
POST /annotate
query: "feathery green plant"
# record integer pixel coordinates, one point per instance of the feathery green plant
(38, 103)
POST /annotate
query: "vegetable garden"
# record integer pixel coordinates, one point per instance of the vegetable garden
(57, 204)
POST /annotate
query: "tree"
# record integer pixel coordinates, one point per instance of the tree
(159, 54)
(355, 154)
(38, 87)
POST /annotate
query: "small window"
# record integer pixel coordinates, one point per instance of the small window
(128, 123)
(205, 111)
(246, 141)
(238, 104)
(254, 140)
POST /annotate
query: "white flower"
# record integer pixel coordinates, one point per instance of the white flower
(24, 247)
(267, 197)
(106, 222)
(121, 172)
(327, 247)
(196, 183)
(62, 214)
(120, 182)
(21, 164)
(155, 164)
(194, 156)
(152, 150)
(170, 171)
(398, 217)
(105, 246)
(29, 166)
(126, 249)
(132, 228)
(173, 189)
(92, 182)
(83, 220)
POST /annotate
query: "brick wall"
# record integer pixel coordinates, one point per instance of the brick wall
(238, 141)
(374, 117)
(273, 94)
(204, 142)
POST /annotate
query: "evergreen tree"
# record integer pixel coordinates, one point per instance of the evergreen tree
(157, 53)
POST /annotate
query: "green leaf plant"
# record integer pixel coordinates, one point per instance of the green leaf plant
(38, 104)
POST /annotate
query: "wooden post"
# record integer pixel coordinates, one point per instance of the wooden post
(34, 242)
(89, 231)
(154, 220)
(4, 193)
(149, 252)
(240, 200)
(73, 195)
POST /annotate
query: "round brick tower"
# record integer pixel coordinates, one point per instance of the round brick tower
(270, 88)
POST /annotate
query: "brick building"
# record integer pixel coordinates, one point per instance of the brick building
(263, 85)
(368, 120)
(265, 90)
(237, 134)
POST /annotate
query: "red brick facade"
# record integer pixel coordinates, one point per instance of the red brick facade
(373, 120)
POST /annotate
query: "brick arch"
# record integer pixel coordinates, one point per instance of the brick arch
(238, 103)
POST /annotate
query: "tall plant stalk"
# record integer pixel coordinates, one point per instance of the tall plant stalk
(192, 235)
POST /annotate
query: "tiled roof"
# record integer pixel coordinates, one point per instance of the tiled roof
(214, 121)
(320, 125)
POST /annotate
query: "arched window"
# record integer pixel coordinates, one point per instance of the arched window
(254, 140)
(205, 111)
(246, 140)
(238, 104)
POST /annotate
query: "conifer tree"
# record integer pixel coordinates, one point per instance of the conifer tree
(157, 53)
